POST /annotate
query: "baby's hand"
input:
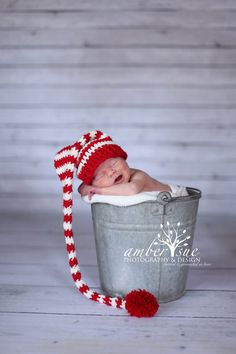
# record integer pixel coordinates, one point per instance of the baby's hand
(85, 189)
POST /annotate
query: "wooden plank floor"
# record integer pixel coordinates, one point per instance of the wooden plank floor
(43, 312)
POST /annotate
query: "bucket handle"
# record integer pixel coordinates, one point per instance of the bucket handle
(164, 198)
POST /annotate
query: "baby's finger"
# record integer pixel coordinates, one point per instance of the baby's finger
(90, 195)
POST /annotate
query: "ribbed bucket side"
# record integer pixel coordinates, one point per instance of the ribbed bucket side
(129, 252)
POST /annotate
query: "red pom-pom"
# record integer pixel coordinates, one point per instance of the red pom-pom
(141, 303)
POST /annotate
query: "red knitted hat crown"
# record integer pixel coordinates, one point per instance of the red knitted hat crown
(86, 155)
(97, 148)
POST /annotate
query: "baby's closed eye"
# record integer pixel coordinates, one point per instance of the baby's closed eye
(96, 178)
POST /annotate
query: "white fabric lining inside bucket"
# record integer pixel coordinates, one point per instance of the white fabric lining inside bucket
(120, 200)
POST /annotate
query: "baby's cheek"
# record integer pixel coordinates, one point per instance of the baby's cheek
(105, 183)
(97, 183)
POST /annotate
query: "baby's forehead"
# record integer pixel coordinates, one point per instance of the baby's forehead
(107, 162)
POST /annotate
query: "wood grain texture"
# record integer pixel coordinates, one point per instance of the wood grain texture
(18, 298)
(122, 5)
(109, 334)
(165, 37)
(41, 310)
(125, 57)
(112, 19)
(118, 76)
(158, 76)
(119, 97)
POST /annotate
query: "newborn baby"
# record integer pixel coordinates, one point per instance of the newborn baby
(115, 177)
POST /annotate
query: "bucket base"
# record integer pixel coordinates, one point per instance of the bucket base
(174, 298)
(160, 300)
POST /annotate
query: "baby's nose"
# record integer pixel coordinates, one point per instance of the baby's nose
(111, 172)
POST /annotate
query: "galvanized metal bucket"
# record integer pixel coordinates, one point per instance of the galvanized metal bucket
(131, 248)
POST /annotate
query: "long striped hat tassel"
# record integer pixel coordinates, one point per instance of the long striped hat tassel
(139, 303)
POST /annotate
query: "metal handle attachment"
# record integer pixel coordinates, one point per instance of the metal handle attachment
(163, 198)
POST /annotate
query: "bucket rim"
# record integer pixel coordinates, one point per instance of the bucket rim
(194, 194)
(197, 193)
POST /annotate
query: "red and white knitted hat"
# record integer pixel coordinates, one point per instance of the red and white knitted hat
(85, 155)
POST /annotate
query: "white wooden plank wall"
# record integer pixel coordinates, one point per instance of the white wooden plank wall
(158, 76)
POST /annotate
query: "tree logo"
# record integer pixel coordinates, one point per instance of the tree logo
(172, 237)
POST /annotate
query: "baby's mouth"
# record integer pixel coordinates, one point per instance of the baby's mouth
(118, 179)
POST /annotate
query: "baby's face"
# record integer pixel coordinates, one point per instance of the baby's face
(111, 171)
